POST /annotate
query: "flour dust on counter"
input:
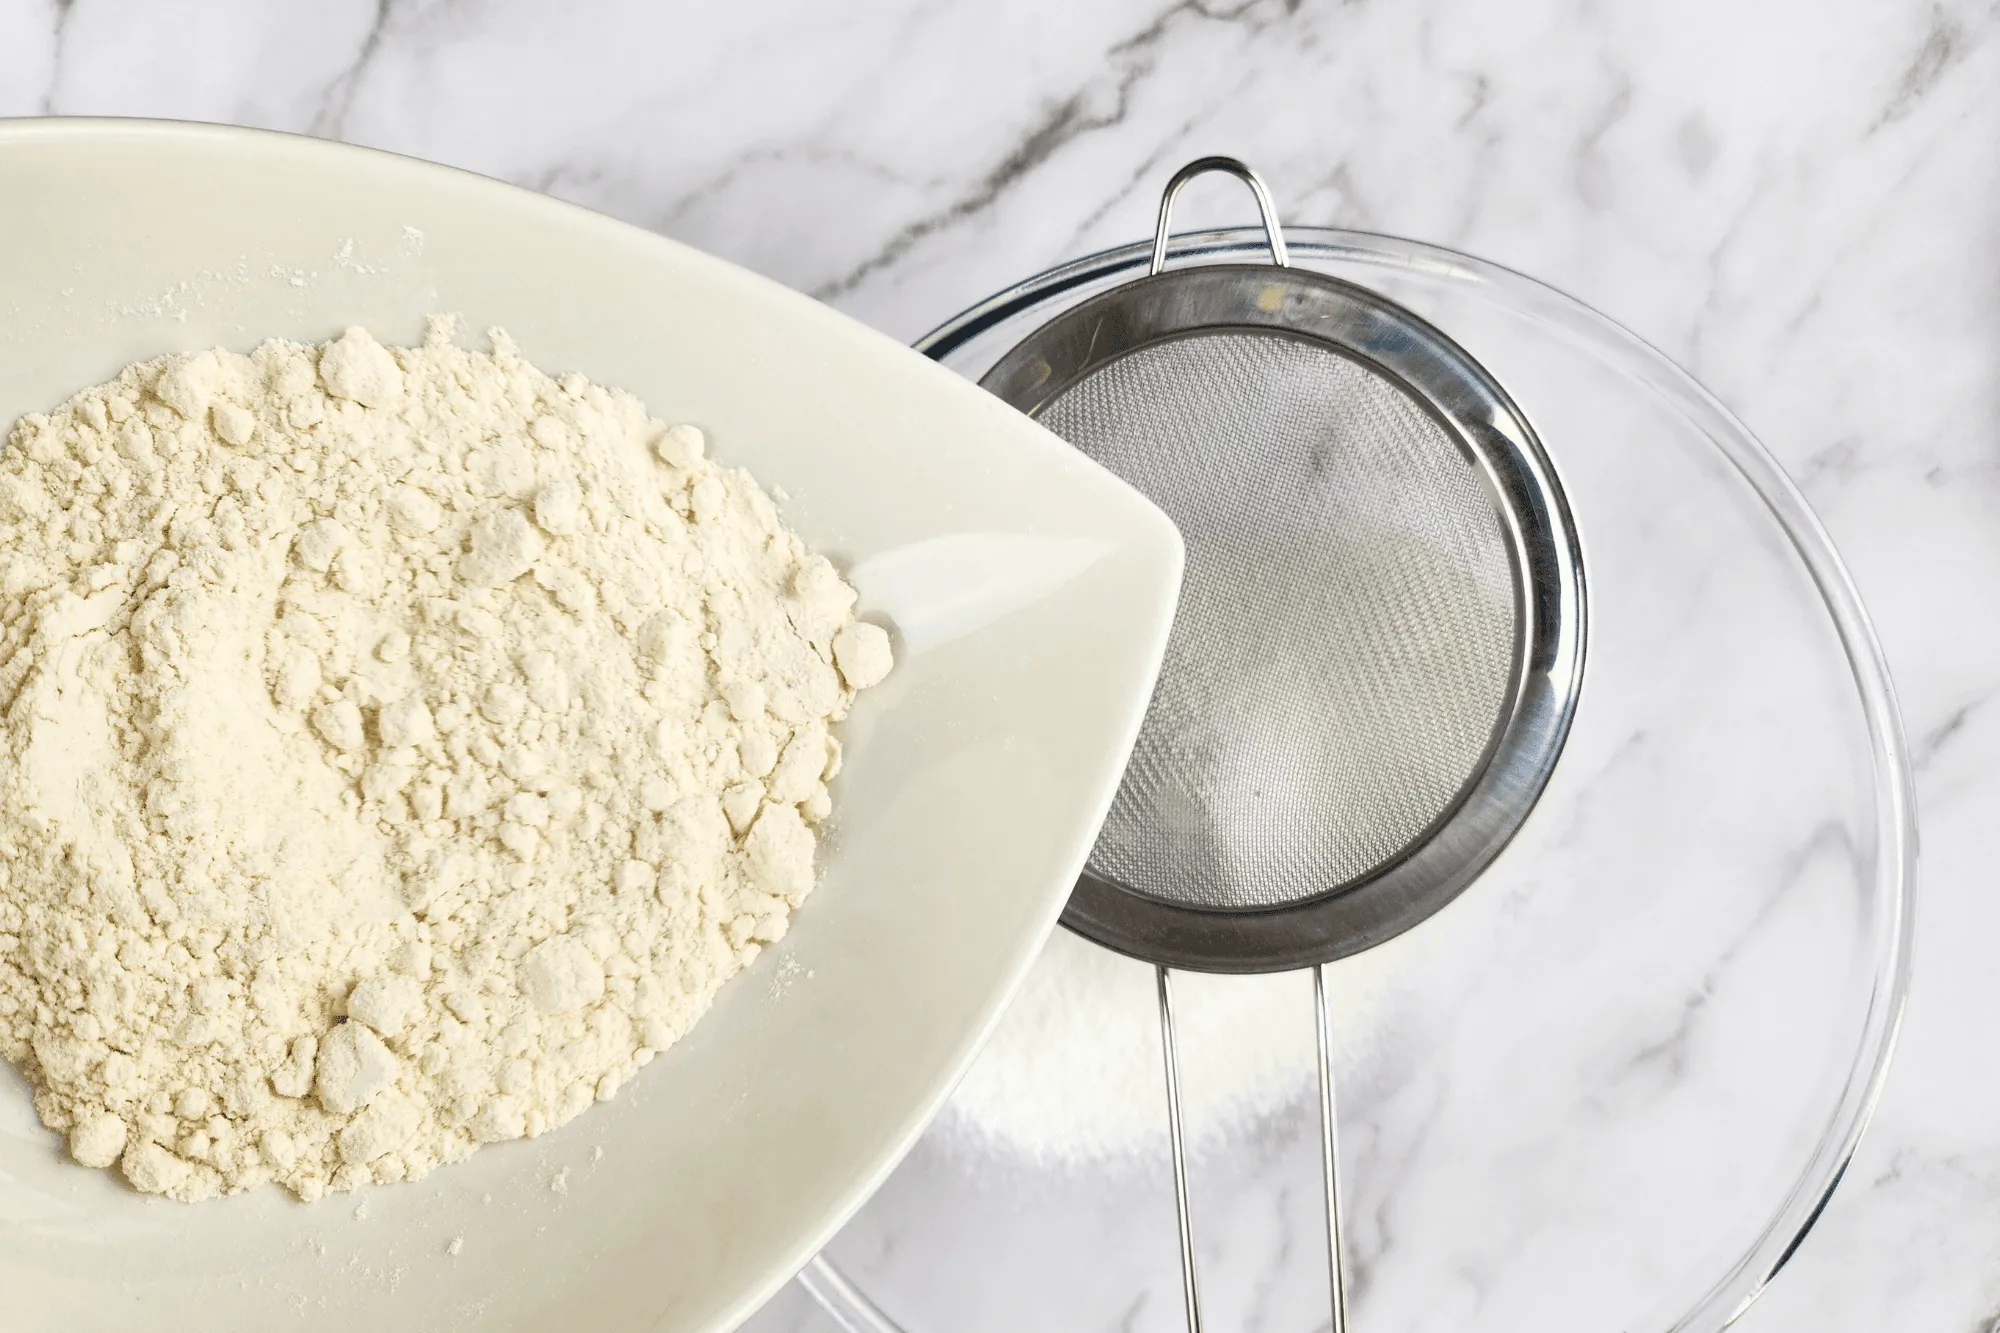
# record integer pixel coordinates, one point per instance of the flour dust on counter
(402, 746)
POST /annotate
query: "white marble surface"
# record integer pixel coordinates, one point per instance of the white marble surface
(1800, 202)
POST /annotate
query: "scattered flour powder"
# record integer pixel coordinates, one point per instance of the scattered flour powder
(401, 747)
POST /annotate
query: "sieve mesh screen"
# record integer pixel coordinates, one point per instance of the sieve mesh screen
(1346, 633)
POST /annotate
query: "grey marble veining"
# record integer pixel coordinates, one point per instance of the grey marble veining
(1800, 203)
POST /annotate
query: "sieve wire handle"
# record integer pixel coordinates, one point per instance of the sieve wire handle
(1328, 1143)
(1329, 1152)
(1267, 210)
(1188, 1292)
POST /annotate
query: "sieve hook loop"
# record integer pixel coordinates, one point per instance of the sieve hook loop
(1202, 166)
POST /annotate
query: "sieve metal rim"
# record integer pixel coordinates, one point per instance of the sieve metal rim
(1492, 432)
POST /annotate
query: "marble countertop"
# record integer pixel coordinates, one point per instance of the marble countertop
(1800, 203)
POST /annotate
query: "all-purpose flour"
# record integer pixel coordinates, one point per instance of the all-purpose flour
(401, 748)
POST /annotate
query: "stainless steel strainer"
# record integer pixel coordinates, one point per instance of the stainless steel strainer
(1380, 633)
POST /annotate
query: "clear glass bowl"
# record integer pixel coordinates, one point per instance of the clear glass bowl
(1617, 1083)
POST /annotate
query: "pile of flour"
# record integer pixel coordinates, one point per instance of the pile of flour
(1072, 1077)
(401, 747)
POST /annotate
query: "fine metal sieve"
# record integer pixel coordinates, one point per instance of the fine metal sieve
(1380, 634)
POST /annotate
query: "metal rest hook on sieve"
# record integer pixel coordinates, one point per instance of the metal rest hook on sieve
(1266, 210)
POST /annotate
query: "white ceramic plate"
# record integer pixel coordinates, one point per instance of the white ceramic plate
(1032, 593)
